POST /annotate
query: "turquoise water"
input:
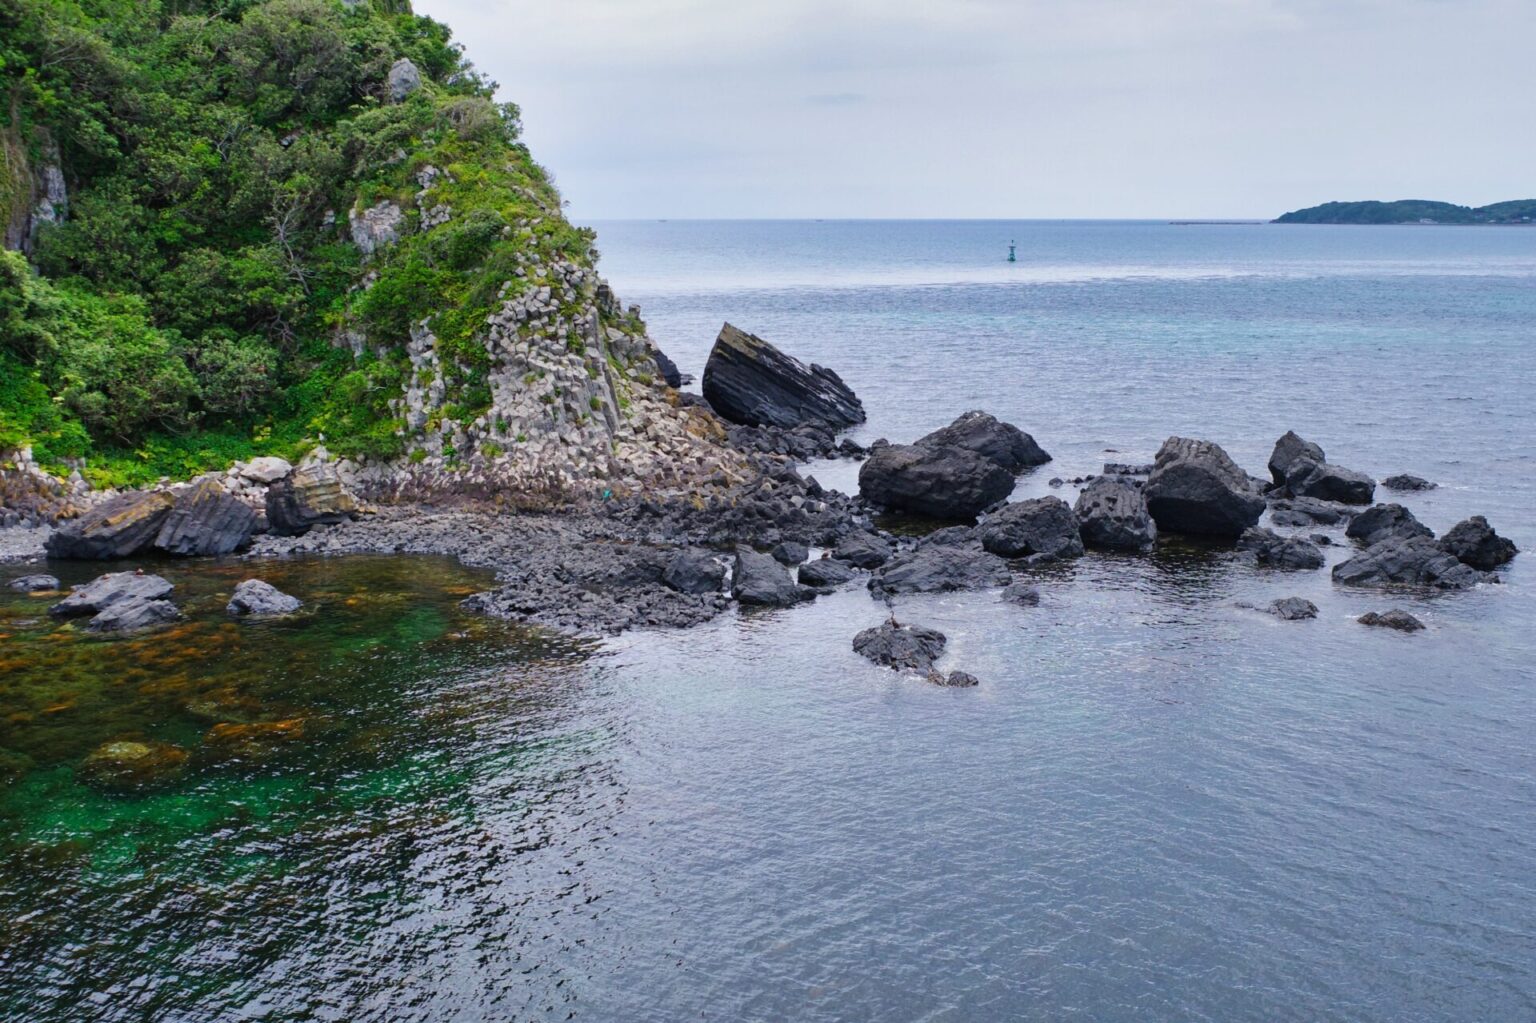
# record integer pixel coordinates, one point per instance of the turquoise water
(1156, 806)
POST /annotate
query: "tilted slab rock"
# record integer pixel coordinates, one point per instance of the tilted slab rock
(310, 496)
(206, 520)
(113, 588)
(749, 381)
(117, 528)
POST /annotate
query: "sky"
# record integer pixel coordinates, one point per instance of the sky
(1012, 108)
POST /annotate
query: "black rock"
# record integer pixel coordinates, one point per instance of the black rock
(903, 647)
(790, 552)
(1383, 522)
(1125, 469)
(694, 570)
(1329, 482)
(940, 482)
(825, 573)
(1306, 511)
(666, 367)
(1396, 618)
(1292, 609)
(105, 591)
(1403, 481)
(758, 579)
(749, 381)
(862, 550)
(1112, 514)
(1473, 542)
(33, 583)
(312, 495)
(133, 614)
(954, 680)
(254, 597)
(1023, 594)
(206, 520)
(996, 441)
(1041, 525)
(1275, 551)
(1288, 450)
(1196, 488)
(940, 569)
(1407, 561)
(117, 528)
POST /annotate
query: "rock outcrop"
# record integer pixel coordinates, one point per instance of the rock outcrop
(36, 583)
(938, 569)
(1405, 481)
(825, 573)
(132, 615)
(695, 570)
(1292, 609)
(1041, 526)
(1196, 488)
(1407, 561)
(255, 597)
(1383, 522)
(1288, 451)
(939, 482)
(996, 441)
(310, 496)
(1112, 515)
(1326, 482)
(902, 647)
(1276, 551)
(749, 381)
(1474, 542)
(1396, 618)
(206, 520)
(759, 579)
(117, 528)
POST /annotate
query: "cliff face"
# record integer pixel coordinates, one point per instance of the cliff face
(307, 224)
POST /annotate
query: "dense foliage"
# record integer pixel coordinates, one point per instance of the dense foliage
(1412, 211)
(185, 312)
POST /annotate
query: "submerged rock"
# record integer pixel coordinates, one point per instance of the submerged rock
(1112, 514)
(1022, 594)
(1396, 618)
(998, 442)
(1384, 522)
(1292, 609)
(117, 528)
(254, 597)
(903, 647)
(1403, 481)
(1407, 561)
(206, 520)
(34, 583)
(134, 614)
(1474, 542)
(310, 496)
(256, 741)
(1040, 526)
(749, 381)
(694, 570)
(759, 579)
(940, 569)
(825, 573)
(954, 680)
(126, 765)
(940, 482)
(1196, 488)
(113, 588)
(1287, 552)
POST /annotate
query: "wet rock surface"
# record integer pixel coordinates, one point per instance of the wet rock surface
(1003, 444)
(825, 573)
(1112, 515)
(949, 483)
(1474, 542)
(1396, 618)
(903, 647)
(1405, 481)
(206, 520)
(1410, 561)
(750, 382)
(1196, 488)
(1044, 526)
(1384, 522)
(1276, 551)
(114, 588)
(938, 569)
(134, 614)
(255, 597)
(1292, 609)
(759, 579)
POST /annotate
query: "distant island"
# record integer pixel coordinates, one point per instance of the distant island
(1413, 211)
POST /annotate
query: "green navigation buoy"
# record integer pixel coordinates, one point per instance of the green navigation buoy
(1012, 258)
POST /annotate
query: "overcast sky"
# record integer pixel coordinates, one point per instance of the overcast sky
(1012, 108)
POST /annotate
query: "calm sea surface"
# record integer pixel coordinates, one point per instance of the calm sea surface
(1157, 805)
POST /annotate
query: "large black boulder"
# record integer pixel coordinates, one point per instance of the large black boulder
(759, 579)
(1474, 542)
(1196, 488)
(1325, 482)
(1289, 450)
(206, 520)
(694, 570)
(939, 569)
(1407, 561)
(825, 573)
(1383, 522)
(1112, 514)
(862, 550)
(1275, 551)
(749, 381)
(940, 482)
(903, 647)
(992, 439)
(118, 527)
(1040, 526)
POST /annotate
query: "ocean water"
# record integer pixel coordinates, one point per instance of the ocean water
(1157, 805)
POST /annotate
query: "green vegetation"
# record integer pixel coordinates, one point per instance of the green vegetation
(187, 311)
(1413, 211)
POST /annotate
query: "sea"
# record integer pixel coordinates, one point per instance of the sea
(1158, 805)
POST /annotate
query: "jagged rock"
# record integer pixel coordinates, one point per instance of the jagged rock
(1287, 552)
(1326, 482)
(1407, 561)
(376, 227)
(34, 583)
(825, 573)
(1474, 542)
(206, 520)
(790, 552)
(1383, 522)
(1306, 511)
(404, 79)
(117, 528)
(694, 570)
(1396, 618)
(1403, 481)
(862, 550)
(903, 647)
(668, 370)
(254, 597)
(310, 496)
(954, 680)
(113, 588)
(938, 570)
(940, 482)
(126, 765)
(999, 442)
(758, 579)
(1292, 609)
(1112, 514)
(1196, 488)
(1022, 594)
(133, 614)
(749, 381)
(1041, 525)
(950, 536)
(266, 470)
(1289, 450)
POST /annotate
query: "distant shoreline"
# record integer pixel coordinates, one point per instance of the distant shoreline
(1415, 213)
